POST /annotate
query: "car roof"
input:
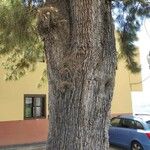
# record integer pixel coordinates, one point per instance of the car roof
(138, 117)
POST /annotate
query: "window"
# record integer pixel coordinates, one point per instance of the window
(128, 123)
(139, 125)
(115, 122)
(148, 123)
(34, 106)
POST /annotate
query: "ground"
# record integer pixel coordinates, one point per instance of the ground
(39, 147)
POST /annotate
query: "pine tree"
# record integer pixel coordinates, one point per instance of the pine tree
(19, 36)
(128, 16)
(20, 42)
(77, 39)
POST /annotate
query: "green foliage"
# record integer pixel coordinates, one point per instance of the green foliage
(22, 47)
(128, 16)
(19, 40)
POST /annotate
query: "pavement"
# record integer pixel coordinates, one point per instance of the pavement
(39, 146)
(115, 148)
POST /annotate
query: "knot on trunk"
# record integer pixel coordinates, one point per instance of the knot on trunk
(49, 19)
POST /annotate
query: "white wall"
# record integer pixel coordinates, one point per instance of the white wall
(141, 100)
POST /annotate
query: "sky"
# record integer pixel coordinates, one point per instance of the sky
(141, 100)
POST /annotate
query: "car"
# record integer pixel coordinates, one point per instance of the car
(131, 132)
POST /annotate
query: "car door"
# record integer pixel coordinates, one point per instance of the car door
(122, 132)
(126, 132)
(113, 130)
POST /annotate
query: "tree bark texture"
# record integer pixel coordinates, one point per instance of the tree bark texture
(79, 45)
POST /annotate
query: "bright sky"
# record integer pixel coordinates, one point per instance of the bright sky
(141, 100)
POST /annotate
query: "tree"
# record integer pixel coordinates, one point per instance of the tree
(128, 16)
(81, 64)
(79, 47)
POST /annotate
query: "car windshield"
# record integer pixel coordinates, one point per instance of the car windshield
(148, 122)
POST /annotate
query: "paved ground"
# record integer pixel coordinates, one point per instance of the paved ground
(39, 147)
(115, 148)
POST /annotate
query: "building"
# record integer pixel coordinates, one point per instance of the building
(23, 106)
(18, 125)
(125, 83)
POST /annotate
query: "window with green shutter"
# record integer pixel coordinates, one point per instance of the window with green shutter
(34, 106)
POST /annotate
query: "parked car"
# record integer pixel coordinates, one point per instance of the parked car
(130, 131)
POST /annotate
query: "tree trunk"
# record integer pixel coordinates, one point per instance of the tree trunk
(81, 60)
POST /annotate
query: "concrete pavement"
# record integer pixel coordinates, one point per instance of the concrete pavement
(40, 146)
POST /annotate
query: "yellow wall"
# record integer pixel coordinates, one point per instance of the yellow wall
(12, 93)
(136, 79)
(121, 102)
(124, 84)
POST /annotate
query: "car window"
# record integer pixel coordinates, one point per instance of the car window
(115, 122)
(128, 123)
(148, 122)
(139, 125)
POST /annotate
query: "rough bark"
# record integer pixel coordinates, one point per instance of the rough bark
(81, 60)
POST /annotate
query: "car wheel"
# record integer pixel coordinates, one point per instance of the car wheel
(136, 146)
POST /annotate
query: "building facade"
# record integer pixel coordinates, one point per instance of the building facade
(24, 106)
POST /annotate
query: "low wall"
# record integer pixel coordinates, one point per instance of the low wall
(23, 132)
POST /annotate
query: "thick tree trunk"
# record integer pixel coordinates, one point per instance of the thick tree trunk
(81, 60)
